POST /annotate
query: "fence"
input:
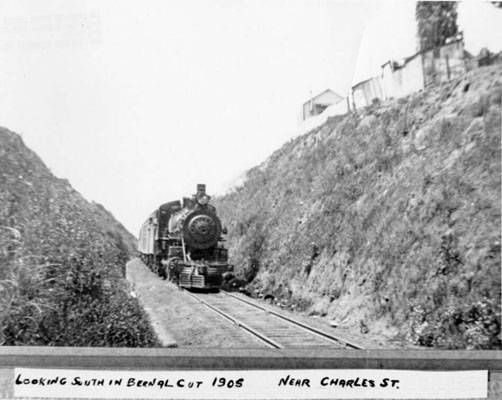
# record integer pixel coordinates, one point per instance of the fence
(365, 92)
(417, 72)
(400, 81)
(443, 63)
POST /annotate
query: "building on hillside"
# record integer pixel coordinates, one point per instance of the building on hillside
(399, 80)
(483, 59)
(317, 104)
(366, 92)
(444, 63)
(422, 69)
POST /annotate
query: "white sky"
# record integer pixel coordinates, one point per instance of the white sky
(137, 101)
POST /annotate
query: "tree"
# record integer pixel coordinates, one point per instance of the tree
(437, 21)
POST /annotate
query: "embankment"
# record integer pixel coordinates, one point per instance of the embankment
(386, 220)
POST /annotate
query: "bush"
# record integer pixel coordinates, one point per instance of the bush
(62, 258)
(78, 302)
(470, 326)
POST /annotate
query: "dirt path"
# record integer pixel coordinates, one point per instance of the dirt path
(179, 320)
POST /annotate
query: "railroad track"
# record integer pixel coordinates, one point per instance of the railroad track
(274, 329)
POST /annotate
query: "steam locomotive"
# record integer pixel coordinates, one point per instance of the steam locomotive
(183, 242)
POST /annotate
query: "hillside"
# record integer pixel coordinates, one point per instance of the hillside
(63, 259)
(386, 220)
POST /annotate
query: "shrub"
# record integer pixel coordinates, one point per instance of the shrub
(61, 281)
(468, 325)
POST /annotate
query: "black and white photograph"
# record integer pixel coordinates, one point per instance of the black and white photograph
(241, 174)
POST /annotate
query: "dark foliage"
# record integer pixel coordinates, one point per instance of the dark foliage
(436, 21)
(61, 281)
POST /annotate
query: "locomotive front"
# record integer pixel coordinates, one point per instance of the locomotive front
(198, 225)
(183, 242)
(204, 260)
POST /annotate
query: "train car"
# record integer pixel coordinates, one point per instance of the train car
(183, 242)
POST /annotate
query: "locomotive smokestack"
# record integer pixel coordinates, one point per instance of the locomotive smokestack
(201, 189)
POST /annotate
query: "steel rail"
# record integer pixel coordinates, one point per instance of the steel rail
(270, 342)
(306, 327)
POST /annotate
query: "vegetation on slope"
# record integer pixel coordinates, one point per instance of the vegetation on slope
(62, 259)
(386, 220)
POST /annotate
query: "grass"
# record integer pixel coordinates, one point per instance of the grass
(403, 202)
(62, 258)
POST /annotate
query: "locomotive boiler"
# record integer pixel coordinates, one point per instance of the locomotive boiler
(182, 242)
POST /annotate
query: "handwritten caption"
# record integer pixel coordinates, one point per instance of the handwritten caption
(250, 384)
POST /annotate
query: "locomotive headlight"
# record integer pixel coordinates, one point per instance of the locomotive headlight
(203, 200)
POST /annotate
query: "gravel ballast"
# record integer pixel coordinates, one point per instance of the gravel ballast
(179, 320)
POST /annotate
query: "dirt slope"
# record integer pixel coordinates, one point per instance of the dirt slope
(387, 220)
(62, 261)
